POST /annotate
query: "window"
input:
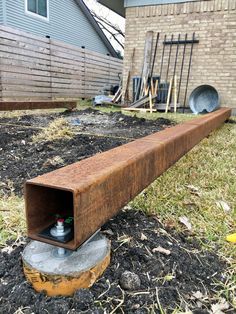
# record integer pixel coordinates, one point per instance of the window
(37, 8)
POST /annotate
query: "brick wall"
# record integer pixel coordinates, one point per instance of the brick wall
(214, 58)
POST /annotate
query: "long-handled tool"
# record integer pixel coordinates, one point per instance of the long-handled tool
(176, 56)
(153, 64)
(154, 56)
(161, 68)
(162, 56)
(189, 68)
(174, 74)
(169, 95)
(150, 102)
(175, 93)
(168, 66)
(182, 66)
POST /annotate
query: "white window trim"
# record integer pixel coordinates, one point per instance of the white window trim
(35, 15)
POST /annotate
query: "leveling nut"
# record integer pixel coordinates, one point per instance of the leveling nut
(59, 230)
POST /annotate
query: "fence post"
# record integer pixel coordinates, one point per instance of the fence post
(84, 76)
(50, 66)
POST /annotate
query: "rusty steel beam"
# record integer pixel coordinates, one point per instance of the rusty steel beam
(30, 105)
(95, 189)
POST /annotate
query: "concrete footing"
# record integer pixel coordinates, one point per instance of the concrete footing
(56, 275)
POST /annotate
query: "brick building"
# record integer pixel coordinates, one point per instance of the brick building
(213, 21)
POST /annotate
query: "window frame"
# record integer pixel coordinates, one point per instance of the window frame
(35, 15)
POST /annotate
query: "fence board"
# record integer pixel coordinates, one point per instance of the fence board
(23, 77)
(15, 81)
(35, 68)
(12, 56)
(26, 46)
(21, 51)
(27, 35)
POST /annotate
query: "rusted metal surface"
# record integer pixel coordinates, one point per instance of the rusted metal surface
(29, 105)
(95, 189)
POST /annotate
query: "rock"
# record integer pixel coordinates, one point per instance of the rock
(130, 281)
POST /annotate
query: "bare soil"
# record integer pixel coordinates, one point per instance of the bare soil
(176, 279)
(21, 159)
(185, 278)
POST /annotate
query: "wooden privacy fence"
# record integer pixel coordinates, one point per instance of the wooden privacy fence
(38, 68)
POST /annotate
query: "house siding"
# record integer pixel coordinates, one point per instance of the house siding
(1, 12)
(66, 23)
(214, 58)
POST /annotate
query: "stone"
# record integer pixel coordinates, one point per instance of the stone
(130, 281)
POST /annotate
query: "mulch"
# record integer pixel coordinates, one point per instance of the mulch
(21, 159)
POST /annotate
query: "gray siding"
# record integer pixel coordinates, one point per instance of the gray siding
(136, 3)
(1, 12)
(66, 23)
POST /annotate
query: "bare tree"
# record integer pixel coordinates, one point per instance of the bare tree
(113, 30)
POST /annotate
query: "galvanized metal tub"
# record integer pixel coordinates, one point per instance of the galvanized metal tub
(204, 98)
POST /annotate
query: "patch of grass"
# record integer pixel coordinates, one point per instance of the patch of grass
(20, 113)
(193, 188)
(12, 218)
(59, 128)
(176, 117)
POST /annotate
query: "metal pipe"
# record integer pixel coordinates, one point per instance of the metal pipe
(182, 66)
(176, 42)
(30, 105)
(189, 67)
(95, 189)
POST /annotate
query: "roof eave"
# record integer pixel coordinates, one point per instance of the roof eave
(116, 6)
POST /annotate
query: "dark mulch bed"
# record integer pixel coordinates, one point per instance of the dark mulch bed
(173, 278)
(20, 159)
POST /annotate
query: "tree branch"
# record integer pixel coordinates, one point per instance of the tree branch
(111, 33)
(108, 23)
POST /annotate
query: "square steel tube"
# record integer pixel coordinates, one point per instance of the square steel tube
(95, 189)
(31, 105)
